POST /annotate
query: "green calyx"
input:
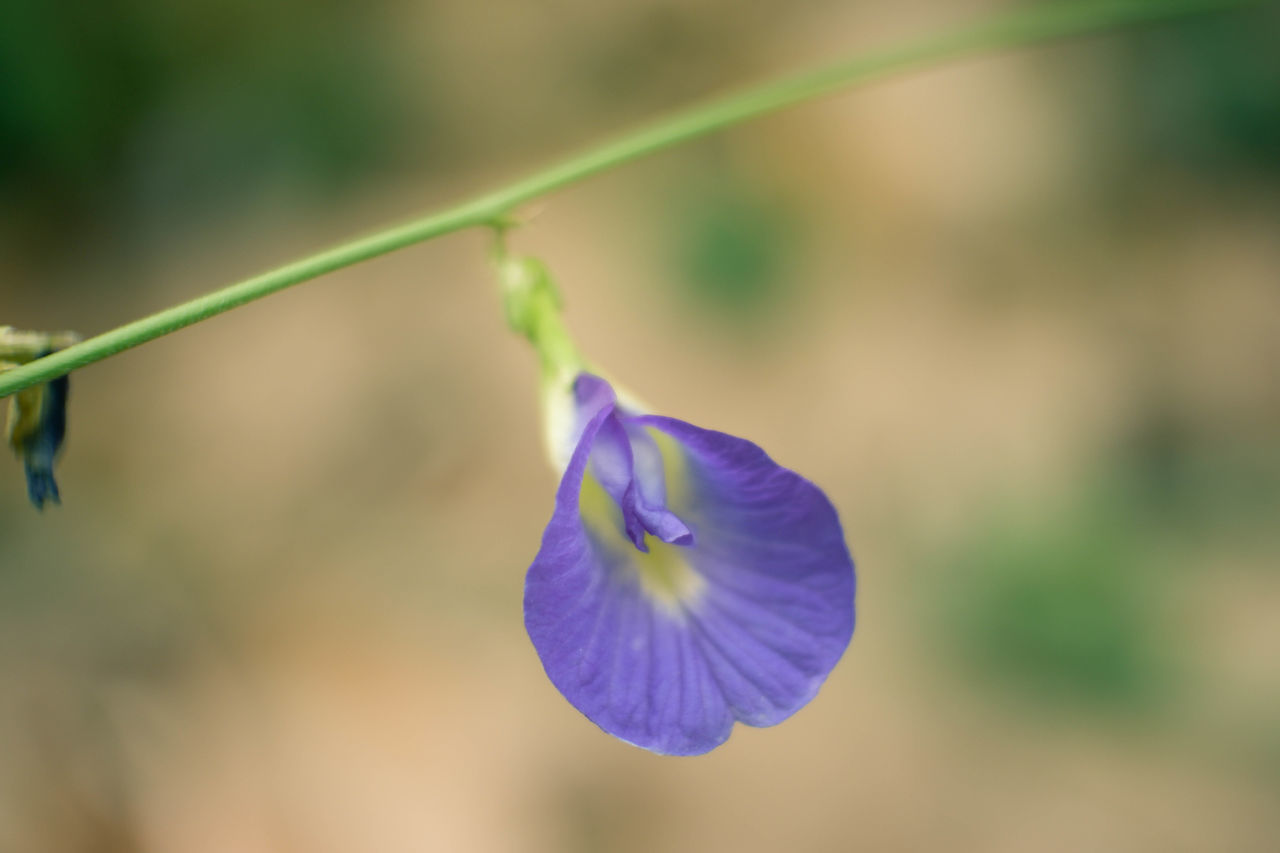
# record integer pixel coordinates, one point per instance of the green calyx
(532, 307)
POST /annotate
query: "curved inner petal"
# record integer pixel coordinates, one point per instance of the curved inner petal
(628, 465)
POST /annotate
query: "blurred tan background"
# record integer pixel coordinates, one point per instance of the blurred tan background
(1019, 316)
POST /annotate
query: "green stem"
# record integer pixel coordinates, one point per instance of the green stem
(1044, 22)
(532, 305)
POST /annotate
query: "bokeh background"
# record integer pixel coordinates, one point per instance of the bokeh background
(1019, 316)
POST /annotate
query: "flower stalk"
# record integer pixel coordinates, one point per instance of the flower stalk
(533, 308)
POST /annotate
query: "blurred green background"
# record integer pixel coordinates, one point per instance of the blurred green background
(1019, 316)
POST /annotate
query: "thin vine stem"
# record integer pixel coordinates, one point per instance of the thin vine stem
(1048, 21)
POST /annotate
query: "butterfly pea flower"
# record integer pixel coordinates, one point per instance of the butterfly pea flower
(37, 416)
(686, 581)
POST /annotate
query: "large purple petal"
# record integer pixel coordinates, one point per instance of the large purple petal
(763, 613)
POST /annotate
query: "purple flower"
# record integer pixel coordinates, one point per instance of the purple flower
(685, 580)
(37, 427)
(37, 415)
